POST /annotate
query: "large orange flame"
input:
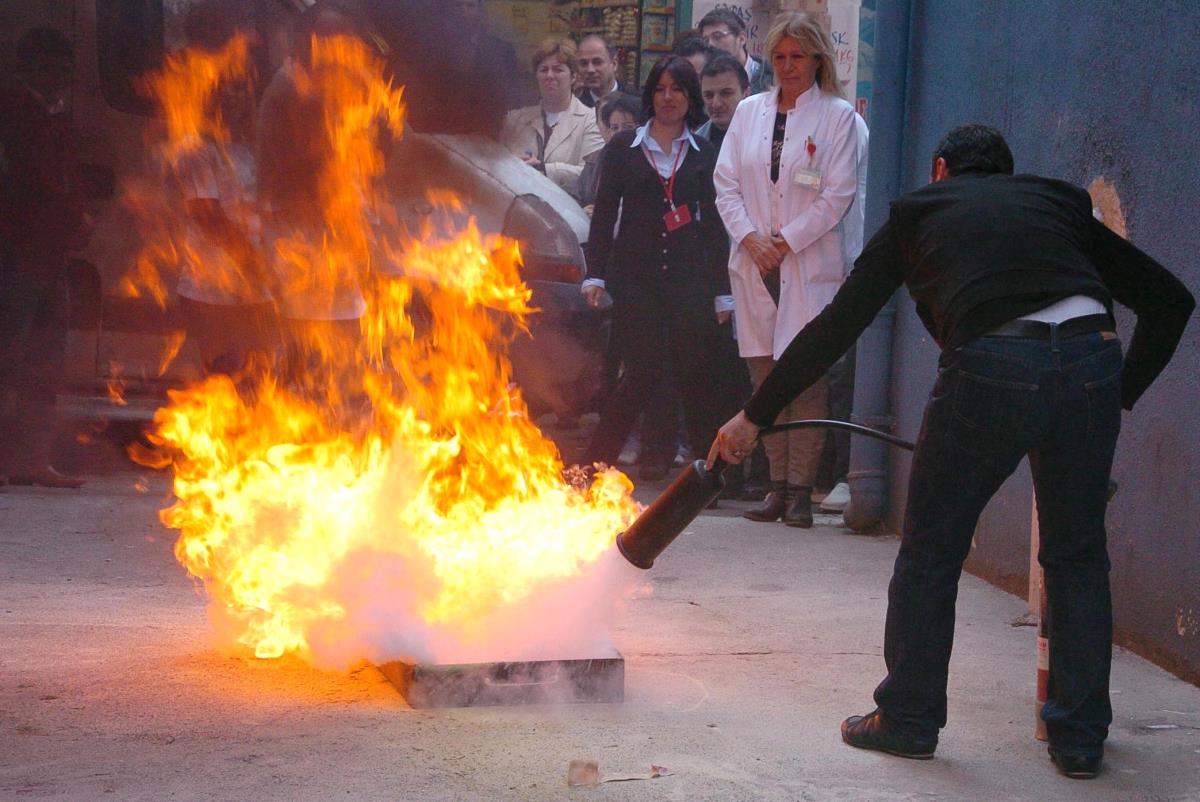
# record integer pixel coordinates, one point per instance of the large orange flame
(403, 511)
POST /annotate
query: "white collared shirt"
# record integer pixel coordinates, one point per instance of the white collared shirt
(664, 162)
(597, 98)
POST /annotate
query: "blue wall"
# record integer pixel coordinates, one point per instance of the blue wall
(1081, 89)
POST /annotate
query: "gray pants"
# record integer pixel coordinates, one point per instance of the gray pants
(795, 455)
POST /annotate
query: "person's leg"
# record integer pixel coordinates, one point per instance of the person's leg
(24, 287)
(1070, 475)
(641, 349)
(695, 342)
(39, 380)
(841, 403)
(804, 452)
(659, 431)
(975, 431)
(775, 445)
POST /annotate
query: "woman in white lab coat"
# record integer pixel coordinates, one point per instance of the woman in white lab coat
(785, 179)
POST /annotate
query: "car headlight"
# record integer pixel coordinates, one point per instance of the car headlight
(549, 248)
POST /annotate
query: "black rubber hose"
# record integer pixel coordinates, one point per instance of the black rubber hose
(853, 428)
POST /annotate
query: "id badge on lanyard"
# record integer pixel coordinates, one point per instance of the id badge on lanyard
(680, 216)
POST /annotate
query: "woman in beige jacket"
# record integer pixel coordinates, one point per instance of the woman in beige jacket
(559, 132)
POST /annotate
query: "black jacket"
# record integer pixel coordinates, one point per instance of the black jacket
(980, 250)
(690, 259)
(585, 97)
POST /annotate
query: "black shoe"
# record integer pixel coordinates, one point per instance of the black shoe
(1077, 767)
(799, 511)
(873, 732)
(772, 507)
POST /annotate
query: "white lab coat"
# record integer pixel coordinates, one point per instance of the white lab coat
(809, 220)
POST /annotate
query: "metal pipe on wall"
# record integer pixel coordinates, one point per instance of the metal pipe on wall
(868, 476)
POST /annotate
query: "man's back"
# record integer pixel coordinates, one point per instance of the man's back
(994, 248)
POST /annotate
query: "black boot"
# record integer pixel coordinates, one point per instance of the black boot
(772, 507)
(799, 510)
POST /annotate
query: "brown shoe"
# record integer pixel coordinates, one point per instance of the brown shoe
(799, 510)
(772, 507)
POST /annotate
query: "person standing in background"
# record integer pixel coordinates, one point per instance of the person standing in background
(597, 70)
(615, 113)
(41, 218)
(785, 179)
(556, 135)
(723, 29)
(697, 51)
(224, 282)
(836, 460)
(664, 266)
(723, 85)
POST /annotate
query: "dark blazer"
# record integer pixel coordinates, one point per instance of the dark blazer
(585, 97)
(690, 259)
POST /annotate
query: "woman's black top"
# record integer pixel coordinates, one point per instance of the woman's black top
(778, 132)
(691, 258)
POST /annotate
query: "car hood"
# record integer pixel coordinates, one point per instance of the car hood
(498, 162)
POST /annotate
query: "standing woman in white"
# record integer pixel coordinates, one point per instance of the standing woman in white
(786, 176)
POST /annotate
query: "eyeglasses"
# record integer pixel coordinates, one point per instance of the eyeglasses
(716, 36)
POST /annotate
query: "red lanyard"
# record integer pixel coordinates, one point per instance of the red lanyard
(668, 186)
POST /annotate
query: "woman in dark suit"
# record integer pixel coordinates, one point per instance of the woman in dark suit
(657, 244)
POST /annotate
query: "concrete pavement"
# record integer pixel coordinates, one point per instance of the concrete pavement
(753, 644)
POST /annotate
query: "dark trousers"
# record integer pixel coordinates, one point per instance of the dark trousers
(34, 316)
(997, 399)
(835, 461)
(656, 325)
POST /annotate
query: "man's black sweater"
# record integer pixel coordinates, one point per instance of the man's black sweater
(977, 251)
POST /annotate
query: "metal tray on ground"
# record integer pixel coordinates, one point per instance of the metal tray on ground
(591, 679)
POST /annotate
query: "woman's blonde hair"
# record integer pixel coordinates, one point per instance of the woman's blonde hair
(565, 49)
(815, 40)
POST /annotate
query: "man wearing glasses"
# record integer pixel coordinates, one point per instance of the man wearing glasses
(724, 30)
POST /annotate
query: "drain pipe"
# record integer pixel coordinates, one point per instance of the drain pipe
(868, 475)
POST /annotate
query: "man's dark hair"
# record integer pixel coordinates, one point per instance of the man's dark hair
(38, 43)
(608, 46)
(621, 101)
(685, 75)
(723, 16)
(726, 63)
(693, 45)
(974, 149)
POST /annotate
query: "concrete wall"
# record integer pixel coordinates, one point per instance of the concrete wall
(1082, 89)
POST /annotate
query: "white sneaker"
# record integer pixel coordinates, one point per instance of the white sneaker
(837, 499)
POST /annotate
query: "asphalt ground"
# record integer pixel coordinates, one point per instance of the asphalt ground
(751, 644)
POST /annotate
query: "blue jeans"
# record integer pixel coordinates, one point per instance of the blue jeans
(996, 400)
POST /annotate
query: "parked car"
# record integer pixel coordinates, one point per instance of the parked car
(115, 338)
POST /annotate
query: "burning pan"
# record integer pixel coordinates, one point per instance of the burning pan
(594, 679)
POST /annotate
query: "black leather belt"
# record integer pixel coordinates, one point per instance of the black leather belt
(1037, 330)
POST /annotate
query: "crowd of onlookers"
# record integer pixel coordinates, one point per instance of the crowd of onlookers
(726, 201)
